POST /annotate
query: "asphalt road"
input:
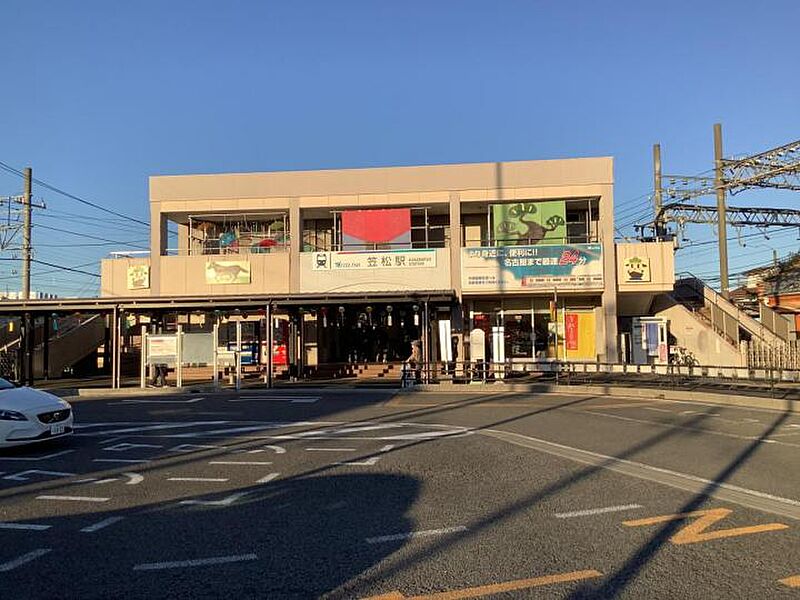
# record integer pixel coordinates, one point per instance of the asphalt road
(359, 494)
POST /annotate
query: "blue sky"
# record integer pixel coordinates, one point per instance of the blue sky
(97, 96)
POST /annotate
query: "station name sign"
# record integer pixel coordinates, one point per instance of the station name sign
(381, 259)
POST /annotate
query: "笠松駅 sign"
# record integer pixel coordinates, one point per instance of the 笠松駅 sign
(220, 272)
(386, 259)
(526, 268)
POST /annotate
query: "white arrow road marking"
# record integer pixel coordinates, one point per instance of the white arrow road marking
(330, 449)
(101, 524)
(268, 478)
(224, 502)
(23, 476)
(197, 562)
(24, 526)
(135, 478)
(26, 458)
(25, 558)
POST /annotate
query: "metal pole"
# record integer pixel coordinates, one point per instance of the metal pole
(722, 229)
(657, 196)
(114, 342)
(119, 342)
(143, 359)
(426, 341)
(238, 355)
(26, 235)
(269, 346)
(215, 336)
(46, 347)
(179, 357)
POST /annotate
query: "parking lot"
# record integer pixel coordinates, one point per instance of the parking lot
(354, 495)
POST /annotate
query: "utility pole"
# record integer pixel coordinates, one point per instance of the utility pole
(722, 228)
(26, 235)
(657, 197)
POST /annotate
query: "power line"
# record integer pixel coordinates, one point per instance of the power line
(57, 190)
(86, 235)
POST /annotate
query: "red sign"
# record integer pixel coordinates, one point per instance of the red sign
(377, 226)
(569, 257)
(571, 330)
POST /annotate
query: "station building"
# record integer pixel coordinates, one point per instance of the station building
(510, 263)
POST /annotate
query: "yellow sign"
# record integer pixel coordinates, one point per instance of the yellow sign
(636, 269)
(139, 277)
(227, 272)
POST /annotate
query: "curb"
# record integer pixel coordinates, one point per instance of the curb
(744, 401)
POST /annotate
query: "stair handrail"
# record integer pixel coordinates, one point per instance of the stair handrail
(710, 295)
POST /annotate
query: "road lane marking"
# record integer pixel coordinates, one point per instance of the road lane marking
(143, 428)
(785, 507)
(74, 498)
(227, 501)
(101, 524)
(24, 526)
(414, 534)
(209, 479)
(197, 562)
(239, 462)
(186, 401)
(122, 460)
(33, 458)
(25, 558)
(792, 582)
(24, 475)
(596, 511)
(330, 449)
(192, 447)
(289, 399)
(496, 588)
(268, 478)
(124, 446)
(695, 531)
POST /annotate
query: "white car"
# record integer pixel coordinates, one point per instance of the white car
(28, 415)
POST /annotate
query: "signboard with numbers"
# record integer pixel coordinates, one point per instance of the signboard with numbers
(530, 268)
(382, 259)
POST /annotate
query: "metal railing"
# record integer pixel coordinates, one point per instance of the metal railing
(673, 376)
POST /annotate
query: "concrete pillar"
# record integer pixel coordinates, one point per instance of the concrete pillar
(295, 244)
(608, 349)
(158, 246)
(455, 243)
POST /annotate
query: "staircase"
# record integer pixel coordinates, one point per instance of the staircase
(724, 317)
(360, 372)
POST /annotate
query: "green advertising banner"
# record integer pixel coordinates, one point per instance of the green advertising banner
(529, 223)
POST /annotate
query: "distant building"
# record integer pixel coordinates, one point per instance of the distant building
(16, 295)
